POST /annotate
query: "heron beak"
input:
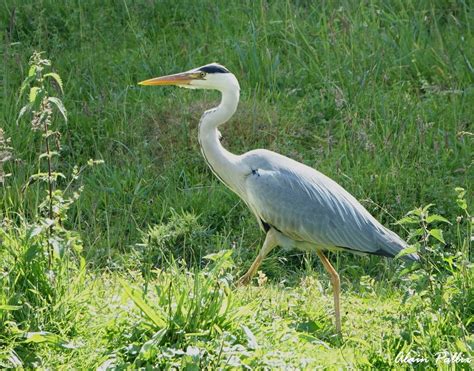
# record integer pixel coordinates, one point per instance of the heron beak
(178, 79)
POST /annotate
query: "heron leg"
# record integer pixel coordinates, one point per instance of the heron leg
(268, 245)
(336, 287)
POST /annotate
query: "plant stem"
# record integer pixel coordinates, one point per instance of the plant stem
(50, 191)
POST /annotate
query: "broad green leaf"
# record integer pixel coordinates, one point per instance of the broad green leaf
(48, 337)
(437, 218)
(223, 254)
(34, 93)
(460, 191)
(57, 175)
(46, 177)
(58, 103)
(6, 307)
(43, 337)
(425, 209)
(416, 211)
(25, 83)
(222, 259)
(50, 155)
(409, 250)
(416, 233)
(26, 108)
(408, 220)
(152, 314)
(56, 78)
(32, 71)
(33, 232)
(462, 203)
(438, 234)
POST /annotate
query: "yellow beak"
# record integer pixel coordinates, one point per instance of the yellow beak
(178, 79)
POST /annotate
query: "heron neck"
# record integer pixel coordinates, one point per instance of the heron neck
(224, 164)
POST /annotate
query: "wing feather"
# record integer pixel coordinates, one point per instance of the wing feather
(305, 205)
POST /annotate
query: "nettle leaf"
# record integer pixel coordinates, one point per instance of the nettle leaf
(408, 220)
(56, 78)
(34, 92)
(409, 250)
(438, 234)
(460, 191)
(26, 108)
(58, 103)
(437, 218)
(427, 207)
(222, 259)
(25, 83)
(32, 71)
(35, 231)
(45, 176)
(416, 211)
(55, 175)
(50, 155)
(462, 203)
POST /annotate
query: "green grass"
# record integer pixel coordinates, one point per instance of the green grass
(378, 95)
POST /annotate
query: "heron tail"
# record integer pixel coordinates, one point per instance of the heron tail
(390, 245)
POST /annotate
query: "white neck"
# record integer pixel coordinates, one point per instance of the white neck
(225, 165)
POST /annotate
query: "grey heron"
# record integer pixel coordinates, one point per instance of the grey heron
(295, 205)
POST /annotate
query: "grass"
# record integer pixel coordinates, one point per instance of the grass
(377, 95)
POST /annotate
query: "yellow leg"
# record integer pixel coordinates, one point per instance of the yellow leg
(336, 287)
(268, 245)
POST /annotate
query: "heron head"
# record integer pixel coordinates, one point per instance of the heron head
(210, 76)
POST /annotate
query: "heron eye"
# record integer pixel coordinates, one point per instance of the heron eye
(202, 74)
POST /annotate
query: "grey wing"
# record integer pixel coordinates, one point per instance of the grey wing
(305, 205)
